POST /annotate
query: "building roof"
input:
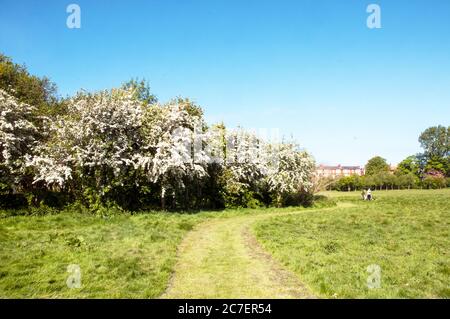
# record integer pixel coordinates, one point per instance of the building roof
(328, 167)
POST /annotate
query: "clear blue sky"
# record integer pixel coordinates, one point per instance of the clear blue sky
(310, 68)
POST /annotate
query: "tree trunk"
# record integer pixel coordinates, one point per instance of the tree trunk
(279, 198)
(163, 198)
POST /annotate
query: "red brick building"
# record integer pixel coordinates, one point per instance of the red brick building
(339, 170)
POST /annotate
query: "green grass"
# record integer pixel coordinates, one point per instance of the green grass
(406, 233)
(326, 248)
(123, 256)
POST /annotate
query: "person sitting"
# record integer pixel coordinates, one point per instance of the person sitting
(369, 194)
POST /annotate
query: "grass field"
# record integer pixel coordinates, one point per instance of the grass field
(120, 257)
(321, 251)
(406, 233)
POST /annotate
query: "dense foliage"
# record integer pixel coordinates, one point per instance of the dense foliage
(435, 141)
(387, 181)
(122, 148)
(17, 139)
(409, 174)
(376, 165)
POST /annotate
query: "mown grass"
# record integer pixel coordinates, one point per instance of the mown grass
(122, 256)
(133, 256)
(406, 233)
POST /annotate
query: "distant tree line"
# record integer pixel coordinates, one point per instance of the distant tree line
(427, 170)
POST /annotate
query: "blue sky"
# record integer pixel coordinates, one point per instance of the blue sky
(311, 69)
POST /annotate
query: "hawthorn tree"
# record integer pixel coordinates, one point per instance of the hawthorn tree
(173, 152)
(17, 140)
(93, 145)
(121, 146)
(291, 171)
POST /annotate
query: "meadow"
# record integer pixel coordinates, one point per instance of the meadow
(321, 251)
(119, 257)
(406, 233)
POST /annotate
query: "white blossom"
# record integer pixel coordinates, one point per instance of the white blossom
(17, 136)
(291, 171)
(173, 148)
(99, 131)
(105, 136)
(246, 155)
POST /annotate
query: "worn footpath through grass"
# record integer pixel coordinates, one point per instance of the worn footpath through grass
(128, 256)
(314, 252)
(221, 259)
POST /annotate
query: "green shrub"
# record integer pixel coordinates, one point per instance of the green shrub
(241, 197)
(434, 182)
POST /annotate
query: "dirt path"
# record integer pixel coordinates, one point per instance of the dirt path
(221, 259)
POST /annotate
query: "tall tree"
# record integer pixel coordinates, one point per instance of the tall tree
(38, 92)
(411, 164)
(376, 165)
(141, 89)
(439, 164)
(435, 141)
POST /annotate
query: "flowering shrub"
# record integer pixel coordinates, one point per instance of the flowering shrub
(112, 147)
(291, 171)
(172, 153)
(92, 146)
(434, 180)
(17, 139)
